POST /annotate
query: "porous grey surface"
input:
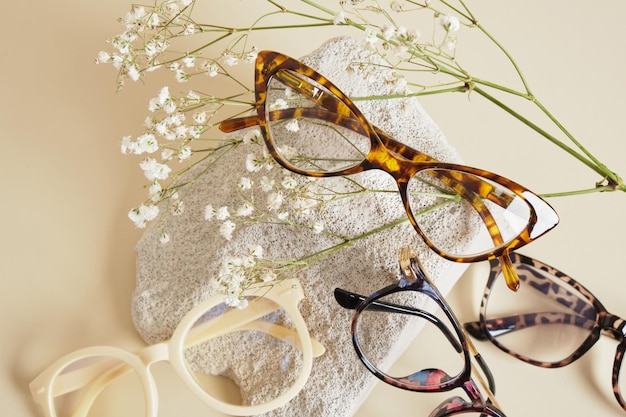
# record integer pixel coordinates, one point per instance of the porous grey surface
(173, 277)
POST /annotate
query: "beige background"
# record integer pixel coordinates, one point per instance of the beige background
(67, 261)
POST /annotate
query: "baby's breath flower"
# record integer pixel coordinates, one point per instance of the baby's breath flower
(268, 275)
(143, 214)
(167, 154)
(128, 145)
(318, 226)
(184, 152)
(292, 125)
(253, 163)
(230, 58)
(245, 183)
(371, 37)
(397, 6)
(450, 23)
(154, 170)
(289, 182)
(251, 136)
(267, 184)
(164, 237)
(274, 201)
(222, 213)
(209, 212)
(103, 57)
(226, 229)
(200, 117)
(279, 104)
(339, 19)
(146, 143)
(155, 191)
(178, 208)
(245, 210)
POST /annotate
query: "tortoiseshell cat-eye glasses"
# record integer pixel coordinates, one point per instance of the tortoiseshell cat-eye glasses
(412, 303)
(311, 128)
(551, 322)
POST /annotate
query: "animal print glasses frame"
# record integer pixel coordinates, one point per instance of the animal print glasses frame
(312, 128)
(551, 322)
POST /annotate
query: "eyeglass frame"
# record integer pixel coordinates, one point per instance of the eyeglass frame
(604, 322)
(413, 277)
(285, 294)
(400, 161)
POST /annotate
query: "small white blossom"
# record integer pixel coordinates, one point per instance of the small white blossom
(209, 212)
(292, 125)
(189, 61)
(282, 215)
(128, 145)
(253, 163)
(164, 237)
(371, 37)
(450, 23)
(245, 210)
(155, 191)
(184, 152)
(222, 213)
(178, 208)
(267, 184)
(146, 143)
(397, 6)
(251, 55)
(143, 214)
(318, 226)
(289, 183)
(210, 68)
(245, 183)
(252, 136)
(339, 19)
(268, 276)
(388, 32)
(103, 57)
(200, 117)
(230, 59)
(167, 154)
(154, 170)
(274, 201)
(226, 229)
(279, 104)
(256, 251)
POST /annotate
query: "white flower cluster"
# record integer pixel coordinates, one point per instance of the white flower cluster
(146, 44)
(271, 194)
(238, 271)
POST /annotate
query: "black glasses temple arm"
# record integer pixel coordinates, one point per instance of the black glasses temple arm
(350, 300)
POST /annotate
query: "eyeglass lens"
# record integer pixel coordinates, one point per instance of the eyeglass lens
(313, 131)
(440, 355)
(243, 364)
(546, 320)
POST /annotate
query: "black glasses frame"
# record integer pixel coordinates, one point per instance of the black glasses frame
(414, 278)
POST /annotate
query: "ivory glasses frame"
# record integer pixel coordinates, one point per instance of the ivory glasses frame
(285, 295)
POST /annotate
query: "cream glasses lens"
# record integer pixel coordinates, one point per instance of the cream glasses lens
(479, 214)
(99, 386)
(432, 362)
(546, 320)
(311, 129)
(244, 356)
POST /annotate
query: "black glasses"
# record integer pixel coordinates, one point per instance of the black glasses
(312, 128)
(551, 322)
(406, 304)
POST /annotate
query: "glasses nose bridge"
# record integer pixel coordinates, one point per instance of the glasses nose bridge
(614, 325)
(150, 355)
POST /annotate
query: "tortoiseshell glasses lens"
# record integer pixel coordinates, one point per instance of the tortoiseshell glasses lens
(552, 321)
(410, 305)
(310, 127)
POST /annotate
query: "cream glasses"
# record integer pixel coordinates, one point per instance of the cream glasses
(265, 349)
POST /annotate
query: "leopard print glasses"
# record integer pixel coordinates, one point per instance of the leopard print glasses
(312, 128)
(551, 322)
